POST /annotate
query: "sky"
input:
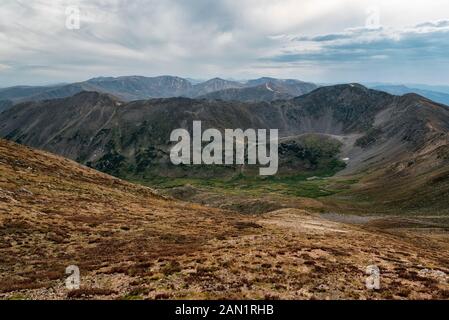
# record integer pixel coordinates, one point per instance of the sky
(324, 41)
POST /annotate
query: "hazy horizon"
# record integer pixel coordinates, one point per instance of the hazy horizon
(193, 80)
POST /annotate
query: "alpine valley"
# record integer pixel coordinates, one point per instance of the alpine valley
(86, 179)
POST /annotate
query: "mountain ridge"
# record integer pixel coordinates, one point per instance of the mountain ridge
(373, 130)
(400, 90)
(129, 88)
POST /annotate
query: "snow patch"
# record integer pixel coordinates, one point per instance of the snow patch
(268, 87)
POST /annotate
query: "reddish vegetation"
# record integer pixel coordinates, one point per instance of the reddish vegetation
(131, 243)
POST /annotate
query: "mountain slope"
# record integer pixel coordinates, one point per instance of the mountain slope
(263, 89)
(137, 88)
(375, 126)
(5, 104)
(55, 212)
(249, 94)
(291, 87)
(212, 85)
(130, 243)
(117, 138)
(130, 88)
(401, 90)
(417, 133)
(126, 88)
(372, 130)
(21, 93)
(42, 123)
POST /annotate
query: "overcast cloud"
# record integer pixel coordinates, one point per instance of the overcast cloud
(315, 40)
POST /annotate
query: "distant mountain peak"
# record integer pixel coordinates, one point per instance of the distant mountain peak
(99, 79)
(356, 87)
(399, 90)
(135, 87)
(216, 79)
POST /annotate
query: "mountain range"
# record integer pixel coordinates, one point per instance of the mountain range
(131, 88)
(363, 176)
(5, 104)
(373, 131)
(441, 97)
(263, 89)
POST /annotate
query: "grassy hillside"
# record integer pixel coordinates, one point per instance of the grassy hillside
(130, 243)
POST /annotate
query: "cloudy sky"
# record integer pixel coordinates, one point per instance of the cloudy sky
(400, 41)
